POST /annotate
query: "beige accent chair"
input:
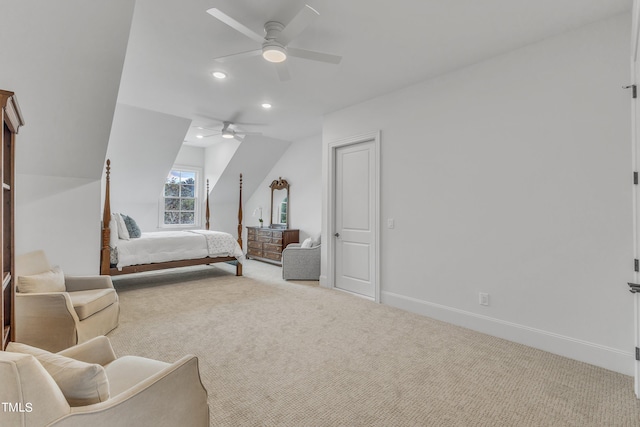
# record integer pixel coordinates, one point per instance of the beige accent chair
(53, 321)
(142, 392)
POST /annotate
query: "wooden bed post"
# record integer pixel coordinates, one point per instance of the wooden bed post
(206, 209)
(239, 264)
(105, 252)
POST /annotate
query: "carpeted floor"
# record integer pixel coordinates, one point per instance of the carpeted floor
(276, 353)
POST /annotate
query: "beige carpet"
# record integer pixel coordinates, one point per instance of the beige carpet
(276, 353)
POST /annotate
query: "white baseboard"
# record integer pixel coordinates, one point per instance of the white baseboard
(584, 351)
(324, 282)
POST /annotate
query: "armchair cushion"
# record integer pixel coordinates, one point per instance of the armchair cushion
(127, 371)
(48, 281)
(81, 383)
(89, 302)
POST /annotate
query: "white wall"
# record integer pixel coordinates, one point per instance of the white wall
(143, 147)
(191, 156)
(64, 61)
(252, 158)
(512, 177)
(61, 216)
(300, 165)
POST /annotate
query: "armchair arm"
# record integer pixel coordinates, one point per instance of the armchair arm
(96, 350)
(174, 396)
(54, 310)
(83, 283)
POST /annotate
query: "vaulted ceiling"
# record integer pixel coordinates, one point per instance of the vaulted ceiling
(65, 61)
(384, 45)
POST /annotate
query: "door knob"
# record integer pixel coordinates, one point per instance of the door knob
(337, 234)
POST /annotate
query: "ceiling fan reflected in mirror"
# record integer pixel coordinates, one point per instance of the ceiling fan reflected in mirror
(276, 40)
(228, 131)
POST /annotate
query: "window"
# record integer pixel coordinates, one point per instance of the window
(283, 211)
(180, 198)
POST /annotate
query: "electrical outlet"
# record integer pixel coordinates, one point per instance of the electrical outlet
(484, 298)
(391, 223)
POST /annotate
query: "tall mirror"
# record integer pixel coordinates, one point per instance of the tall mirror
(279, 203)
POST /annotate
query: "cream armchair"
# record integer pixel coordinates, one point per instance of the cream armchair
(54, 312)
(141, 391)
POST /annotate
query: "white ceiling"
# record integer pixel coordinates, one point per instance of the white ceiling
(385, 46)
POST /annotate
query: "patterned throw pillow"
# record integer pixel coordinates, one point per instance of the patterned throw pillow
(132, 226)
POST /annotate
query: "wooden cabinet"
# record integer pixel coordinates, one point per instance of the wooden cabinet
(266, 244)
(11, 122)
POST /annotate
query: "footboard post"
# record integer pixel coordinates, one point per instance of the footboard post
(239, 264)
(105, 251)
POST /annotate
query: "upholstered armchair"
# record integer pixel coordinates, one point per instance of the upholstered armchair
(87, 385)
(300, 262)
(54, 311)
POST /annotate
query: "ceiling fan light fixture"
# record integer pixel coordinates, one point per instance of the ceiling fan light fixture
(273, 52)
(227, 134)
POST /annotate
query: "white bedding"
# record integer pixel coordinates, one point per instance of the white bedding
(163, 246)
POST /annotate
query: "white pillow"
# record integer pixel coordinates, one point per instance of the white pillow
(123, 233)
(306, 243)
(81, 383)
(49, 281)
(315, 241)
(113, 235)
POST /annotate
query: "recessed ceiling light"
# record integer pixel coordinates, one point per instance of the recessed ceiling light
(199, 136)
(219, 75)
(266, 105)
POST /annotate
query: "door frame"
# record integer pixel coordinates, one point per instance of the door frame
(635, 68)
(331, 206)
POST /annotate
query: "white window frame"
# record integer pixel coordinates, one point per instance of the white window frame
(198, 199)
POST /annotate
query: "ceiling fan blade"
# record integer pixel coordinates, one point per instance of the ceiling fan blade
(209, 136)
(247, 133)
(232, 120)
(218, 14)
(302, 20)
(238, 138)
(313, 55)
(283, 71)
(204, 128)
(241, 55)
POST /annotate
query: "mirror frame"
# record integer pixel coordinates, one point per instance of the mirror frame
(279, 184)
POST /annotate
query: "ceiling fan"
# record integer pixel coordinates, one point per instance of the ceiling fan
(228, 131)
(275, 42)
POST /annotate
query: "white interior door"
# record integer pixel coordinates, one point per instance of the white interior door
(355, 218)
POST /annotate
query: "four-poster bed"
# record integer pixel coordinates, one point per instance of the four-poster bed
(206, 239)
